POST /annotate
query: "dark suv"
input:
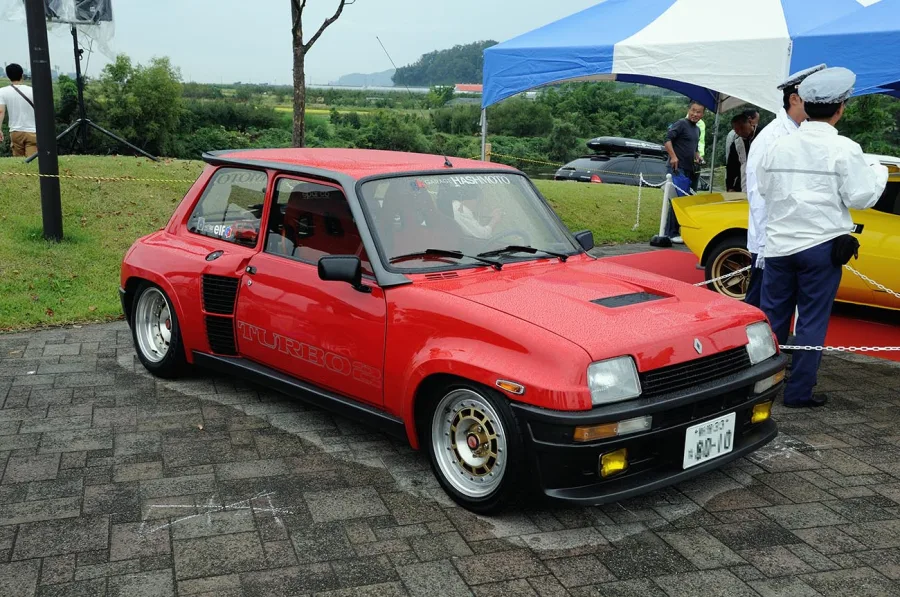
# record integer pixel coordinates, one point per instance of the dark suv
(618, 161)
(620, 169)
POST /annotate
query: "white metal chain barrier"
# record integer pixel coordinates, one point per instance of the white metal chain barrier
(841, 348)
(851, 348)
(824, 348)
(641, 183)
(873, 282)
(725, 277)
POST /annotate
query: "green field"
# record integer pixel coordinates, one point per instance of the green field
(76, 281)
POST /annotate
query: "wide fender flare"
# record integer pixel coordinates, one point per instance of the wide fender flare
(484, 364)
(137, 272)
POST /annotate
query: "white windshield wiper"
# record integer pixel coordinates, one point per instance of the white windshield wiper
(447, 253)
(523, 249)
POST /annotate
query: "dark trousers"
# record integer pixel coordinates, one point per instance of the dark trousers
(680, 178)
(754, 288)
(809, 281)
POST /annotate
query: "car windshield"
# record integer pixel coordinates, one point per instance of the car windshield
(469, 214)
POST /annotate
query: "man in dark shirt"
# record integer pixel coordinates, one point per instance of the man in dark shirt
(736, 166)
(681, 144)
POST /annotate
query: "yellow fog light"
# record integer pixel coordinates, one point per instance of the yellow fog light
(761, 412)
(769, 382)
(613, 462)
(592, 432)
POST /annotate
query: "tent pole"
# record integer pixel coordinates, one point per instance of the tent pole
(712, 162)
(483, 132)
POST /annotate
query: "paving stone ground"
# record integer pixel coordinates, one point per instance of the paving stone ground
(115, 483)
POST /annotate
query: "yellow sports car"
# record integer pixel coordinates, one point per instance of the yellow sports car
(714, 228)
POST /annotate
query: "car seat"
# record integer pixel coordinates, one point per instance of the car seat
(411, 223)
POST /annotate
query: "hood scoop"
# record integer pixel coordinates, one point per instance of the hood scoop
(623, 300)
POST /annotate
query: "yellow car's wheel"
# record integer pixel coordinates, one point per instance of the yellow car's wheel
(729, 256)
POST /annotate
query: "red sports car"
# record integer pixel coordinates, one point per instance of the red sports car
(443, 301)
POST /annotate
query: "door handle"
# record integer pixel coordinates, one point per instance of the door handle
(250, 270)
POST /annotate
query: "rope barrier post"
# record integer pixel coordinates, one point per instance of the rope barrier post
(483, 132)
(661, 240)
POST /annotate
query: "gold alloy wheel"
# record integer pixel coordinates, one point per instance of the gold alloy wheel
(469, 443)
(728, 261)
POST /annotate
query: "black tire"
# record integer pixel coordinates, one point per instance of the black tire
(173, 363)
(729, 254)
(509, 487)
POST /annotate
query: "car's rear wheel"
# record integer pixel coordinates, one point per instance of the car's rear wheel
(474, 446)
(728, 256)
(156, 333)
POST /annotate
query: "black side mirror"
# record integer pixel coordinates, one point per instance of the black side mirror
(585, 238)
(342, 268)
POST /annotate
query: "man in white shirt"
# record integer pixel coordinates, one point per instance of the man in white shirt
(786, 122)
(810, 181)
(18, 100)
(464, 214)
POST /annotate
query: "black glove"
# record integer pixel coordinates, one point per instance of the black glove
(843, 249)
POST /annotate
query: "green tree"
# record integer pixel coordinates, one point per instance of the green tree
(141, 103)
(562, 142)
(871, 121)
(67, 100)
(459, 64)
(519, 117)
(439, 95)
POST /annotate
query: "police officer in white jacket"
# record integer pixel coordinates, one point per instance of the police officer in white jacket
(786, 122)
(809, 181)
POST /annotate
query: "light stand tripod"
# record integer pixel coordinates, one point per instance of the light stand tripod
(83, 121)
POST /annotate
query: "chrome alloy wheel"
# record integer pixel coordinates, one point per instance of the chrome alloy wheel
(469, 443)
(153, 325)
(726, 262)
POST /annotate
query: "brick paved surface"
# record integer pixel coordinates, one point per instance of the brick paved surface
(114, 483)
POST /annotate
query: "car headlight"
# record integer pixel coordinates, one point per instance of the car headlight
(613, 380)
(761, 345)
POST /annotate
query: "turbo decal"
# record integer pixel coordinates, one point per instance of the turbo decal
(307, 353)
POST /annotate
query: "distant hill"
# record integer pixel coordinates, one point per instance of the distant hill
(382, 79)
(459, 64)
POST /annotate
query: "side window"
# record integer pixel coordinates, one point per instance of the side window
(890, 199)
(311, 220)
(624, 165)
(231, 206)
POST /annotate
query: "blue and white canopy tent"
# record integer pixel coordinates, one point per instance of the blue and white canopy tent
(722, 53)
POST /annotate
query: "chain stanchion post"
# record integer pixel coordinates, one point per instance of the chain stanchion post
(661, 240)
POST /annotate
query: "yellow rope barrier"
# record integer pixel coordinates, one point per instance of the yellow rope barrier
(96, 178)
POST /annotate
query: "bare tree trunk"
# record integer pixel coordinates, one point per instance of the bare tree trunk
(300, 50)
(299, 134)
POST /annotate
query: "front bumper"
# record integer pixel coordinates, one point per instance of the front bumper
(568, 470)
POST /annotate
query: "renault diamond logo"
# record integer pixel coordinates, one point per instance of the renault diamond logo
(698, 346)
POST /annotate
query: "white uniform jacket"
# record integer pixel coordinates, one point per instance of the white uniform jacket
(756, 225)
(809, 182)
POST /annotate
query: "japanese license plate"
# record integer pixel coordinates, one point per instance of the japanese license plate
(709, 440)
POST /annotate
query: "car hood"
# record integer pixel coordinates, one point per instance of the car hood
(612, 310)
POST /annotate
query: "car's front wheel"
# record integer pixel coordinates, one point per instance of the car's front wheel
(474, 446)
(156, 333)
(727, 257)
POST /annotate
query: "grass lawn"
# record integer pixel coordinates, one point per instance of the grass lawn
(76, 281)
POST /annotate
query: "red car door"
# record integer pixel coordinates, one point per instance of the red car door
(325, 333)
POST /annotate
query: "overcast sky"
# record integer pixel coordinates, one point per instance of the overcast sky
(240, 40)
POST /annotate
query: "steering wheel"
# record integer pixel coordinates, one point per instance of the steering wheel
(494, 240)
